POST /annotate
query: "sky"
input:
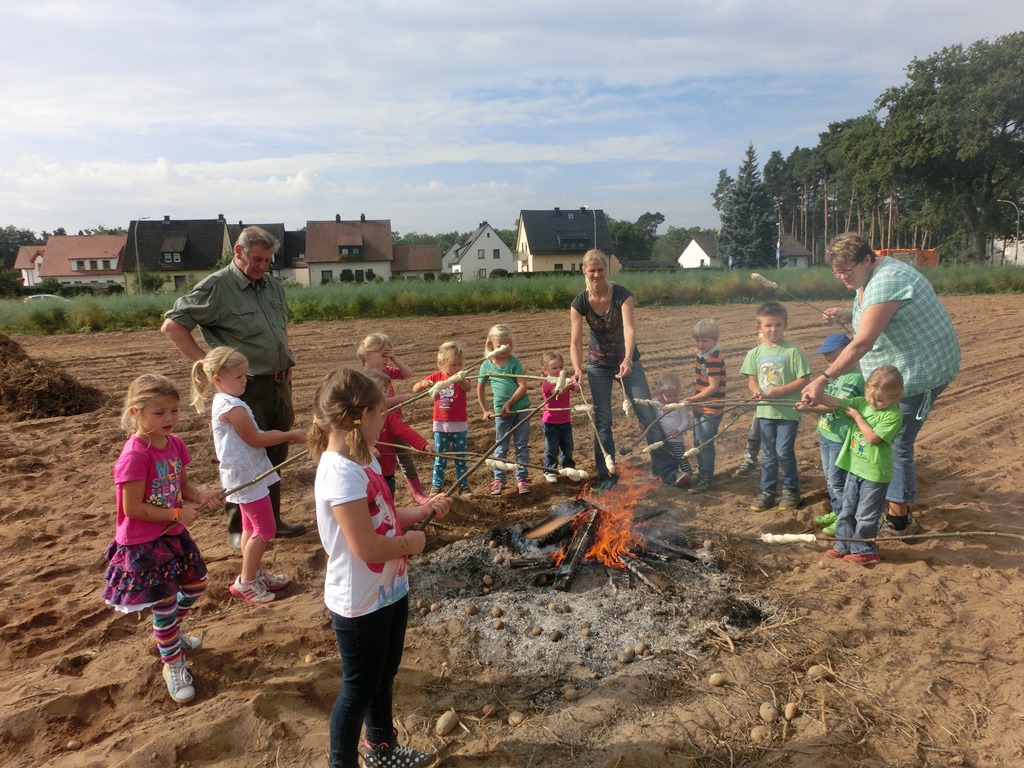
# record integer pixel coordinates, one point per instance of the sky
(435, 114)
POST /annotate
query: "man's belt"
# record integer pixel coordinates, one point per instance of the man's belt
(276, 377)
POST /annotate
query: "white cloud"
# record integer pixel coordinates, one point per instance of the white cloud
(433, 114)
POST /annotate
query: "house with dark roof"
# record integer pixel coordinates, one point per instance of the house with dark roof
(92, 261)
(480, 255)
(180, 252)
(700, 251)
(349, 251)
(556, 240)
(793, 253)
(416, 262)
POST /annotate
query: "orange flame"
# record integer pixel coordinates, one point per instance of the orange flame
(614, 535)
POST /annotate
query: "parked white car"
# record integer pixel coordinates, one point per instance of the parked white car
(37, 296)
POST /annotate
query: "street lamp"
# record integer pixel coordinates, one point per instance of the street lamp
(593, 213)
(1016, 242)
(138, 261)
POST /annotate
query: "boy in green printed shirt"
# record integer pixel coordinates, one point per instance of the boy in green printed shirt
(868, 458)
(833, 426)
(776, 370)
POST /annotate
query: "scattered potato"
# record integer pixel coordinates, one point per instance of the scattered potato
(716, 680)
(769, 712)
(791, 710)
(446, 723)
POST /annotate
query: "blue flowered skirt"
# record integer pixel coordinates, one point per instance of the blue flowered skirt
(140, 575)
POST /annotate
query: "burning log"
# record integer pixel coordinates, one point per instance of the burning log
(632, 564)
(576, 554)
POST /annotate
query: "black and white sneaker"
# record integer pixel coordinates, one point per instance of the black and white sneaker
(397, 756)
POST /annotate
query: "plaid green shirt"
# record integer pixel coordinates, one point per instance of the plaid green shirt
(919, 339)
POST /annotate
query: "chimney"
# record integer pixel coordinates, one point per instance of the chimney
(240, 224)
(362, 217)
(337, 218)
(220, 217)
(558, 211)
(167, 219)
(583, 208)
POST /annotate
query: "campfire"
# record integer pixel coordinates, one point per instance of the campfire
(637, 577)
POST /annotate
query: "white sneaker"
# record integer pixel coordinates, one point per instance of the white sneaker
(254, 593)
(179, 682)
(551, 477)
(272, 581)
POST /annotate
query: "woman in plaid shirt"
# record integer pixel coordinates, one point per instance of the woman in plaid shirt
(899, 321)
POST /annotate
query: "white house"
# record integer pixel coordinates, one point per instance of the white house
(701, 251)
(479, 256)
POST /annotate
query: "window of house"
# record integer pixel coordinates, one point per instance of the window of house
(80, 265)
(168, 258)
(480, 253)
(558, 267)
(326, 276)
(92, 264)
(497, 253)
(360, 276)
(177, 258)
(481, 273)
(106, 263)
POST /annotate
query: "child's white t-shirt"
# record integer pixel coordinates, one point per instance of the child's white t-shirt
(239, 461)
(353, 587)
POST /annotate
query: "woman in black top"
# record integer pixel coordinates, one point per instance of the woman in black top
(612, 354)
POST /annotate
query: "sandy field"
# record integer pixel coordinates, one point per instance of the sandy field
(913, 662)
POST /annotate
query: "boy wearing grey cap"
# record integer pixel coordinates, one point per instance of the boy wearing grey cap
(833, 426)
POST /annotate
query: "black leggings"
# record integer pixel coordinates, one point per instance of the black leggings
(371, 651)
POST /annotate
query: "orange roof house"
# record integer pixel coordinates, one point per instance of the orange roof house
(87, 260)
(349, 251)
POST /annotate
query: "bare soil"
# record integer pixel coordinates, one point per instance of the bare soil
(920, 653)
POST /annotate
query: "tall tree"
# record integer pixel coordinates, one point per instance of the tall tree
(635, 241)
(11, 239)
(748, 218)
(957, 127)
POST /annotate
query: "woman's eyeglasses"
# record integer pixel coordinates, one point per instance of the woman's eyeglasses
(844, 272)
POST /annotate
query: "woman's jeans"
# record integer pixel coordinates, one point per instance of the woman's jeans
(602, 383)
(915, 410)
(520, 438)
(371, 650)
(705, 427)
(778, 441)
(835, 477)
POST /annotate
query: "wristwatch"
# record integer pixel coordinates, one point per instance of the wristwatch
(828, 378)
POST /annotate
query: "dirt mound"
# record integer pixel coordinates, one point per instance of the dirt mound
(39, 390)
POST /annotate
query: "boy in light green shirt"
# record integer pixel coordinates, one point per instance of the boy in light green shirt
(776, 371)
(868, 458)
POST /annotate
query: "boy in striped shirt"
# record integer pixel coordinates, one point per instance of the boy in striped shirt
(709, 387)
